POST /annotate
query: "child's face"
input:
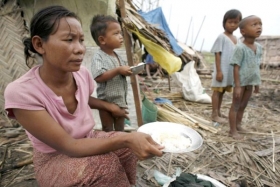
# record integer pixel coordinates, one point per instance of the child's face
(232, 24)
(113, 38)
(253, 27)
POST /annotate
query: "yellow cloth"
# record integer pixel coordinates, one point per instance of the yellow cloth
(165, 59)
(222, 89)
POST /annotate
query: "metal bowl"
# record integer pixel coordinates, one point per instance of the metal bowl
(156, 127)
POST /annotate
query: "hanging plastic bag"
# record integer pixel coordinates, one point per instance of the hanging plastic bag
(165, 59)
(161, 178)
(149, 111)
(190, 82)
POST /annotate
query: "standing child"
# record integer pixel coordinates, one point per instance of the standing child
(109, 70)
(246, 62)
(223, 73)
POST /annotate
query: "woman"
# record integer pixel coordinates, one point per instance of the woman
(53, 103)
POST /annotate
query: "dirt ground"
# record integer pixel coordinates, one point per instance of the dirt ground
(15, 147)
(260, 118)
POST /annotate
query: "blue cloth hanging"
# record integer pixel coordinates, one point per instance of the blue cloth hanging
(156, 17)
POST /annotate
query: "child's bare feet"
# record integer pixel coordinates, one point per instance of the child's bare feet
(220, 120)
(223, 116)
(148, 79)
(155, 77)
(241, 129)
(235, 135)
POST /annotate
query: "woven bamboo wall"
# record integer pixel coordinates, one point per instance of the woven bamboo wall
(14, 20)
(85, 9)
(12, 60)
(271, 50)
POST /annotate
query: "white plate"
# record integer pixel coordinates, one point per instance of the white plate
(156, 127)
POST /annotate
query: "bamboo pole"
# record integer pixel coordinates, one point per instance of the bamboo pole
(134, 80)
(198, 31)
(202, 45)
(273, 151)
(186, 42)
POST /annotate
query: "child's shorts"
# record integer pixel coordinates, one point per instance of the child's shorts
(222, 89)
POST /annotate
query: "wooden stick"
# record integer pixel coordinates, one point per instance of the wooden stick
(272, 80)
(190, 118)
(23, 162)
(4, 155)
(194, 160)
(169, 83)
(257, 133)
(134, 80)
(273, 151)
(164, 113)
(18, 164)
(204, 124)
(169, 165)
(261, 173)
(201, 119)
(3, 158)
(14, 177)
(181, 112)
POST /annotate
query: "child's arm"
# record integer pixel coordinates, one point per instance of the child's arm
(257, 87)
(217, 49)
(219, 76)
(110, 74)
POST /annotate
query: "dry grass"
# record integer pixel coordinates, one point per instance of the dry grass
(255, 159)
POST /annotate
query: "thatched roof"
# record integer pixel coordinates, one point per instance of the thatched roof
(135, 21)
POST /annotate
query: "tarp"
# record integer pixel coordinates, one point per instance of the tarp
(190, 83)
(156, 17)
(164, 58)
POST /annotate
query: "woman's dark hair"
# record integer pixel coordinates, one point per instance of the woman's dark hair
(231, 14)
(99, 25)
(43, 24)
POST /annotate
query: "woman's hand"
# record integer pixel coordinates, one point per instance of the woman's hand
(143, 146)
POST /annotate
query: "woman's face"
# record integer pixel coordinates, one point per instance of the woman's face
(64, 50)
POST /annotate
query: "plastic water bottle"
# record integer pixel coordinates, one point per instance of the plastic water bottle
(216, 124)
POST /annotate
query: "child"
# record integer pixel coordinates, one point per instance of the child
(109, 70)
(149, 64)
(246, 63)
(223, 72)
